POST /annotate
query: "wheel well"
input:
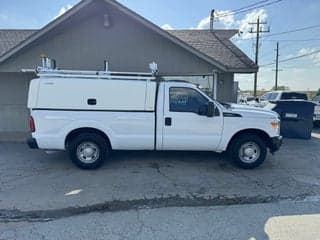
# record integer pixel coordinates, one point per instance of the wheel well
(264, 136)
(78, 131)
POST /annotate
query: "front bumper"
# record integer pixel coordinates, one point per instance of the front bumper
(275, 143)
(32, 143)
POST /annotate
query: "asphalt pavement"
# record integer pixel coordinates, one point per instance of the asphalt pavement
(274, 221)
(33, 180)
(176, 195)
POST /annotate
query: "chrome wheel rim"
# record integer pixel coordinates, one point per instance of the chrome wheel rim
(249, 152)
(88, 152)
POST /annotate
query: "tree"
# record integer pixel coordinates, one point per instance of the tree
(281, 88)
(318, 93)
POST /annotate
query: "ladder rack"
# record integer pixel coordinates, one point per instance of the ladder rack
(47, 71)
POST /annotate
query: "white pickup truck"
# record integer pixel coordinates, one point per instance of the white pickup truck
(91, 114)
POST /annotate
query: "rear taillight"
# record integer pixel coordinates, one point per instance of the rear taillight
(32, 124)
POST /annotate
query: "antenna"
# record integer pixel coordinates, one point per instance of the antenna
(211, 20)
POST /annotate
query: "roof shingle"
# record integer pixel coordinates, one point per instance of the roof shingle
(217, 46)
(10, 38)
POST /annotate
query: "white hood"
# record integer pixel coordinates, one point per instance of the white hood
(254, 112)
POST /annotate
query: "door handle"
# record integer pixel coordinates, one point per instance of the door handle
(168, 121)
(92, 101)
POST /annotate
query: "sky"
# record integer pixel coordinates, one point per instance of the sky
(286, 15)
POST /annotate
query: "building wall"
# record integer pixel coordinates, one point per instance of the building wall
(225, 87)
(83, 42)
(13, 104)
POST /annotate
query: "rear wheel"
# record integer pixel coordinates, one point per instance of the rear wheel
(248, 151)
(88, 150)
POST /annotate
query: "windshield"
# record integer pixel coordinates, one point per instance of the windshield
(294, 95)
(273, 96)
(216, 102)
(265, 97)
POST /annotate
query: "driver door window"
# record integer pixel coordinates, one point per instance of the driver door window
(185, 100)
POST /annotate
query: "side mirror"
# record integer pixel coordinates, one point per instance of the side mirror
(210, 109)
(203, 110)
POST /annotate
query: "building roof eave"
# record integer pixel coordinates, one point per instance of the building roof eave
(243, 70)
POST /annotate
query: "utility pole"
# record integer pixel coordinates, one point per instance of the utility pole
(277, 70)
(277, 67)
(258, 30)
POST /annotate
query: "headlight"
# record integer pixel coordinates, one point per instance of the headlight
(275, 124)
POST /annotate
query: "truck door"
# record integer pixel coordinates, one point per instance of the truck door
(186, 125)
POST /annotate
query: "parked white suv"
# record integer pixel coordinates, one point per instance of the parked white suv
(92, 113)
(282, 95)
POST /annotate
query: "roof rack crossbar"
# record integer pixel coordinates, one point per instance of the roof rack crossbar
(49, 69)
(93, 76)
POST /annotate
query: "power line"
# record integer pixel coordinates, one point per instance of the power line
(300, 56)
(289, 31)
(296, 66)
(242, 8)
(293, 58)
(251, 5)
(249, 8)
(292, 40)
(270, 54)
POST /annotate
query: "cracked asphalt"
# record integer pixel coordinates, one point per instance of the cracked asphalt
(281, 221)
(32, 180)
(164, 195)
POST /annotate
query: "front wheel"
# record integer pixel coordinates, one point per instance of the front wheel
(248, 151)
(88, 150)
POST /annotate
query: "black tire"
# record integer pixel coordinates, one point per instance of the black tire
(250, 140)
(95, 143)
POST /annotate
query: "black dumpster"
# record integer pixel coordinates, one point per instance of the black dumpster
(296, 118)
